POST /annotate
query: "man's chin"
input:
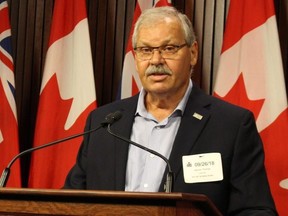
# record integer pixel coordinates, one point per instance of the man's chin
(158, 90)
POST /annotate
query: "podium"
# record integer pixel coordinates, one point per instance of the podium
(88, 202)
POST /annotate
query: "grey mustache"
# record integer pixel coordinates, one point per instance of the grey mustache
(157, 70)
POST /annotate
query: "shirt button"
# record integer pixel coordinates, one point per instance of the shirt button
(152, 155)
(145, 185)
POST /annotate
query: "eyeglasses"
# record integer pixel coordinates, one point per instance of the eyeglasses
(167, 51)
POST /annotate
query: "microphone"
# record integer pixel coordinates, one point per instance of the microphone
(109, 119)
(168, 186)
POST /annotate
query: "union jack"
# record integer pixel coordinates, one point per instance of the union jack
(8, 116)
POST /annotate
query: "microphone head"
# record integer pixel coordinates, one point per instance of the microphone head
(117, 115)
(112, 117)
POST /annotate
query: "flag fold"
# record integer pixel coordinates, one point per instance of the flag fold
(9, 140)
(67, 94)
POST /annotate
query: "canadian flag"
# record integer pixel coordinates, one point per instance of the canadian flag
(9, 140)
(67, 94)
(130, 83)
(251, 75)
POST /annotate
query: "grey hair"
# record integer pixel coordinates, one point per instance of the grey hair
(154, 15)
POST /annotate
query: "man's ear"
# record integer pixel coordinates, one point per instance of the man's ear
(194, 53)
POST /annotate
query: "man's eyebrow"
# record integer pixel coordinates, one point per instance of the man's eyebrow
(147, 43)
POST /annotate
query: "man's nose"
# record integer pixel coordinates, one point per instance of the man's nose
(156, 57)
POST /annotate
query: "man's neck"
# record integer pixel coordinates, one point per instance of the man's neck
(161, 106)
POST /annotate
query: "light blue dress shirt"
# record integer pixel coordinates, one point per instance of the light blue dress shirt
(145, 170)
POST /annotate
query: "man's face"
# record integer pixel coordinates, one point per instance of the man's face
(166, 32)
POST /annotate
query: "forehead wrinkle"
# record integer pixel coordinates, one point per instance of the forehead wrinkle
(172, 36)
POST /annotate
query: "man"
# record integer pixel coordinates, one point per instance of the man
(172, 116)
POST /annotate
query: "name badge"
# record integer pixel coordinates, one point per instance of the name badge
(202, 168)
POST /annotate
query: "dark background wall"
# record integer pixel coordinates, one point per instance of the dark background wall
(109, 24)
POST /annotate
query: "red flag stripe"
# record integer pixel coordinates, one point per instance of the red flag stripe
(4, 14)
(64, 23)
(256, 12)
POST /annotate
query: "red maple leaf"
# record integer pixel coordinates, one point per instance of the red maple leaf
(238, 96)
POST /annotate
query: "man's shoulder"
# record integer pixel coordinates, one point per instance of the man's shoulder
(215, 104)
